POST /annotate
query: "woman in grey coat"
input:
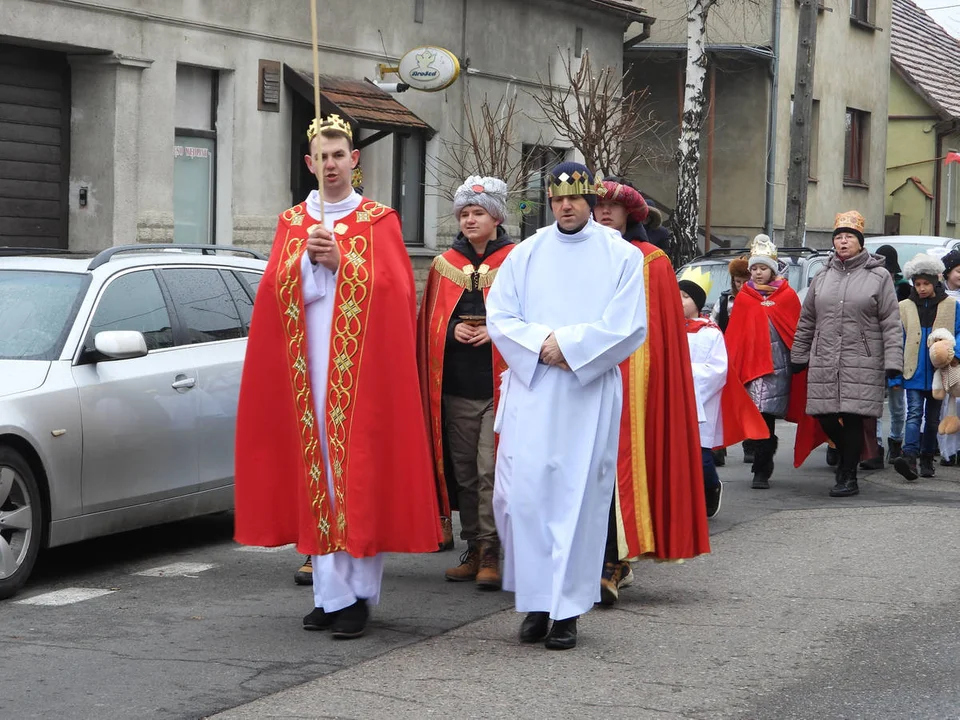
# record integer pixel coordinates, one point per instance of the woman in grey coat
(850, 339)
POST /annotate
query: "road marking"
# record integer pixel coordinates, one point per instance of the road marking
(66, 596)
(179, 569)
(251, 548)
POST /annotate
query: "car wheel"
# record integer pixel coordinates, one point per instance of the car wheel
(21, 521)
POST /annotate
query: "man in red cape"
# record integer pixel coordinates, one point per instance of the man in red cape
(331, 451)
(658, 510)
(460, 371)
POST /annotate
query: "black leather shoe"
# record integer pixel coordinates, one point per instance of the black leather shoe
(534, 627)
(318, 620)
(351, 622)
(563, 635)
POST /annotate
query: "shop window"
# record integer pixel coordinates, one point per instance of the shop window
(409, 163)
(194, 156)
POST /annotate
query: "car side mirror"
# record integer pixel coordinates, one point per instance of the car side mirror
(120, 344)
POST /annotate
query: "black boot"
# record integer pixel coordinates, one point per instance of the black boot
(926, 465)
(563, 635)
(763, 463)
(874, 463)
(950, 461)
(351, 622)
(720, 457)
(846, 484)
(833, 456)
(894, 450)
(749, 451)
(534, 627)
(906, 465)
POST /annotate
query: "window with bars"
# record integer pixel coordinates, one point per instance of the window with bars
(856, 126)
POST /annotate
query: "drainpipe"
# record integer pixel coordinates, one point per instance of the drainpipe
(772, 124)
(938, 179)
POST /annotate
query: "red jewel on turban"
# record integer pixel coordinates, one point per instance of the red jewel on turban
(477, 188)
(629, 198)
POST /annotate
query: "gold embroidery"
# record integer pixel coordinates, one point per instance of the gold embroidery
(340, 228)
(297, 219)
(363, 217)
(465, 277)
(307, 418)
(354, 258)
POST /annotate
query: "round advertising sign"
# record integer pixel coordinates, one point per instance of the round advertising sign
(429, 69)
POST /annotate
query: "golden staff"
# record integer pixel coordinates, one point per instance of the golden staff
(318, 171)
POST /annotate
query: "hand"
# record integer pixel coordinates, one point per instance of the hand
(322, 248)
(480, 337)
(550, 352)
(798, 367)
(893, 374)
(464, 333)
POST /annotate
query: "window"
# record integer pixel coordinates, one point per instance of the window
(861, 10)
(953, 191)
(408, 183)
(133, 302)
(253, 281)
(203, 303)
(814, 139)
(856, 142)
(537, 161)
(241, 298)
(194, 155)
(38, 312)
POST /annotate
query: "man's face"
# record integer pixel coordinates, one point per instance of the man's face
(924, 287)
(335, 160)
(611, 214)
(477, 225)
(571, 211)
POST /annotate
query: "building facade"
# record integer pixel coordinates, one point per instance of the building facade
(750, 44)
(152, 121)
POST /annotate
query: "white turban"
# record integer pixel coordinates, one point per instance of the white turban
(488, 192)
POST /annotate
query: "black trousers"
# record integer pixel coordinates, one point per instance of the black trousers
(612, 551)
(846, 432)
(764, 450)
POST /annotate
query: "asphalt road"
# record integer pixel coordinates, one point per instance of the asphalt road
(187, 624)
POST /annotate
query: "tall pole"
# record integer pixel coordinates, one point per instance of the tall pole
(798, 173)
(318, 163)
(772, 123)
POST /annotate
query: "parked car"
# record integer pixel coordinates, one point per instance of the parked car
(119, 380)
(802, 264)
(907, 246)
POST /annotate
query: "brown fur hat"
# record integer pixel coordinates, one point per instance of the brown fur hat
(654, 218)
(739, 267)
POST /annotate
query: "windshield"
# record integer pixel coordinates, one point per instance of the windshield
(906, 251)
(36, 310)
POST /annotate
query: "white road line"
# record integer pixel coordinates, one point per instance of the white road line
(251, 548)
(179, 569)
(66, 596)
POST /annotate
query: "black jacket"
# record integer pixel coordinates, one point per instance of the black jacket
(467, 369)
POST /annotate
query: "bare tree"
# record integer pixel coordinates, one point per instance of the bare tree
(615, 132)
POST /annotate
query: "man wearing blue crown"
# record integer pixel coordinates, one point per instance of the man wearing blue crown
(332, 450)
(566, 309)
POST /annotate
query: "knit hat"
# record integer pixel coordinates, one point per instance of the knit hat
(739, 267)
(695, 292)
(889, 254)
(924, 266)
(629, 197)
(950, 261)
(490, 193)
(570, 178)
(763, 252)
(850, 221)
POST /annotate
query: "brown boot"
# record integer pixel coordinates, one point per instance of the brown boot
(488, 577)
(446, 525)
(467, 569)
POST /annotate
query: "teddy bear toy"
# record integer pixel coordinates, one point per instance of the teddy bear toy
(946, 376)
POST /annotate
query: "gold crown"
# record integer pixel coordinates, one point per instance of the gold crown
(330, 122)
(850, 219)
(762, 246)
(577, 183)
(696, 275)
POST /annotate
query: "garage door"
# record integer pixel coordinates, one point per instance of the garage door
(34, 151)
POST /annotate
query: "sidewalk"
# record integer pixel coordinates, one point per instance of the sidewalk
(782, 620)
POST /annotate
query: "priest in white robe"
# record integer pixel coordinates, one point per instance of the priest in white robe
(567, 307)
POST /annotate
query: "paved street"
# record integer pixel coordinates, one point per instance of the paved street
(809, 607)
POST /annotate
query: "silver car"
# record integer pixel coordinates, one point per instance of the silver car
(119, 379)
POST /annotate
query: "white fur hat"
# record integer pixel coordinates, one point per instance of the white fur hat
(923, 265)
(490, 193)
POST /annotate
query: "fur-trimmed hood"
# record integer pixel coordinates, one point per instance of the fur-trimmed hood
(923, 264)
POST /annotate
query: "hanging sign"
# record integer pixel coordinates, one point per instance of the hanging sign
(430, 69)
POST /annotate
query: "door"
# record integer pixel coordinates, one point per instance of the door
(213, 337)
(139, 415)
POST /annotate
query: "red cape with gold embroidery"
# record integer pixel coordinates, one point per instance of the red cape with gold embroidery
(662, 513)
(450, 275)
(385, 499)
(750, 357)
(741, 418)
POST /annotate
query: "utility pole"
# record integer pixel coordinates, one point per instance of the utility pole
(798, 172)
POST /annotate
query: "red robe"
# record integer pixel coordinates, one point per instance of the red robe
(661, 507)
(748, 348)
(741, 418)
(450, 275)
(378, 450)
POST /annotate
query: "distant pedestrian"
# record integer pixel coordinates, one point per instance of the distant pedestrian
(950, 444)
(739, 274)
(658, 234)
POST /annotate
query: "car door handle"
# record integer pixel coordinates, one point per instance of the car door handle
(183, 382)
